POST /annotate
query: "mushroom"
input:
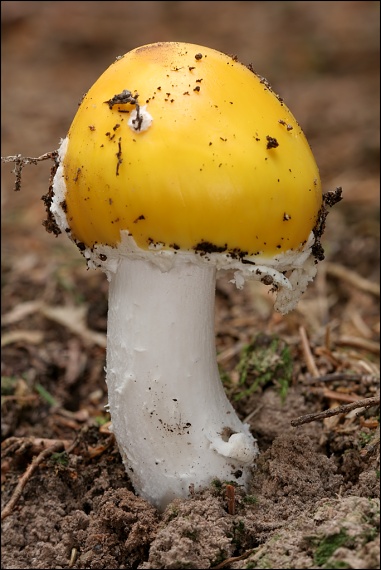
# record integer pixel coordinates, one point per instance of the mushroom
(182, 163)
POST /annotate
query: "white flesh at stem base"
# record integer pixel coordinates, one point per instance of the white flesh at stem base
(173, 423)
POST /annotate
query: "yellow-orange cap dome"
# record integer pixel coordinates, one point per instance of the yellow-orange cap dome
(219, 162)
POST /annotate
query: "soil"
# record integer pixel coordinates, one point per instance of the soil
(313, 501)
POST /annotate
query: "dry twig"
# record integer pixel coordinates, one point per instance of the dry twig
(230, 498)
(93, 452)
(360, 343)
(56, 447)
(22, 161)
(228, 561)
(336, 396)
(16, 446)
(230, 352)
(340, 376)
(351, 277)
(307, 353)
(73, 557)
(344, 409)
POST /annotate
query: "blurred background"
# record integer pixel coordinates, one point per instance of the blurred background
(321, 57)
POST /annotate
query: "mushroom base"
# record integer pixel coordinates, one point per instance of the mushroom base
(175, 428)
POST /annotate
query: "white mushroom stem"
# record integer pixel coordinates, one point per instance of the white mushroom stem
(173, 423)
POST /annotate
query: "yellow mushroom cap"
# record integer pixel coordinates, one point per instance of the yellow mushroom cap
(219, 164)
